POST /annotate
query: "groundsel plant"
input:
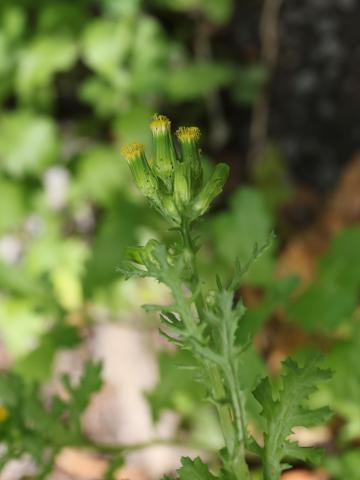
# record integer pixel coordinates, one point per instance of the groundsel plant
(206, 322)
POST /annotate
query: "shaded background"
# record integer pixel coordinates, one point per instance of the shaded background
(275, 88)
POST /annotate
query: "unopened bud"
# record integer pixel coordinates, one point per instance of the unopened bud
(211, 298)
(146, 181)
(182, 185)
(169, 208)
(212, 189)
(189, 142)
(165, 155)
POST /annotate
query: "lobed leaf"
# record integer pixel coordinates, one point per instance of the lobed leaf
(283, 410)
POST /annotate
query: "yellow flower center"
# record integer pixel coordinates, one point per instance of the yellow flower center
(160, 124)
(188, 134)
(132, 151)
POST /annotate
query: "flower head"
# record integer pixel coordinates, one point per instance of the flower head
(165, 155)
(146, 181)
(189, 143)
(188, 134)
(132, 151)
(160, 124)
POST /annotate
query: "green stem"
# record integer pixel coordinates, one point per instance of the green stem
(233, 431)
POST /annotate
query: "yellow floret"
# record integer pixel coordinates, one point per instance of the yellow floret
(132, 151)
(188, 134)
(160, 124)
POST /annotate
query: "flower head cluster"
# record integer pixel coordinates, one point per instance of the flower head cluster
(173, 181)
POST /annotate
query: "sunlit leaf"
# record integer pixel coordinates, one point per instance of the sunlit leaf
(28, 142)
(40, 61)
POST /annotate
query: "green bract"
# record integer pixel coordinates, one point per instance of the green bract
(175, 185)
(143, 176)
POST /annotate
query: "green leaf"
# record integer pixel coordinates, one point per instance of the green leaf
(323, 305)
(13, 210)
(117, 228)
(342, 392)
(149, 57)
(40, 61)
(194, 470)
(341, 261)
(178, 388)
(100, 176)
(21, 323)
(197, 80)
(106, 44)
(13, 21)
(235, 232)
(37, 365)
(218, 12)
(125, 7)
(42, 430)
(106, 100)
(276, 295)
(90, 383)
(134, 124)
(282, 410)
(345, 465)
(114, 465)
(28, 143)
(332, 298)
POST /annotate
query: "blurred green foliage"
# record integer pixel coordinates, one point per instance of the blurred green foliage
(77, 79)
(41, 431)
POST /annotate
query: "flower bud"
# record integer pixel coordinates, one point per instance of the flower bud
(210, 299)
(169, 209)
(146, 181)
(189, 139)
(212, 189)
(182, 185)
(165, 155)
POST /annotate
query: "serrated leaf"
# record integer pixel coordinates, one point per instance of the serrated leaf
(90, 382)
(38, 429)
(283, 410)
(194, 470)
